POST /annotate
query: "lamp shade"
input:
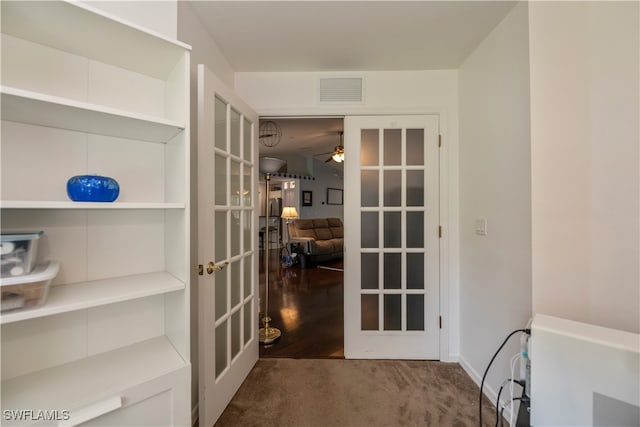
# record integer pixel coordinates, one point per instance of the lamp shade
(270, 164)
(289, 212)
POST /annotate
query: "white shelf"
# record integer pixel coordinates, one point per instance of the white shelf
(94, 377)
(85, 31)
(78, 296)
(34, 108)
(27, 204)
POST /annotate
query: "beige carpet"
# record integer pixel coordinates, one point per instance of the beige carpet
(335, 392)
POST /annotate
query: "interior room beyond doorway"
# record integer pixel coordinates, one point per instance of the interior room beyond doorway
(306, 294)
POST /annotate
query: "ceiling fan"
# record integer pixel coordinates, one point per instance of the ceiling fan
(337, 155)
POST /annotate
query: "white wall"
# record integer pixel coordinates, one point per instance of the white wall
(325, 177)
(386, 92)
(158, 16)
(204, 48)
(585, 180)
(495, 270)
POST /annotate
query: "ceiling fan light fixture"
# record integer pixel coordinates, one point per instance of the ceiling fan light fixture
(338, 156)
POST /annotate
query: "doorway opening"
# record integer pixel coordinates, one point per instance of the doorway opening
(306, 284)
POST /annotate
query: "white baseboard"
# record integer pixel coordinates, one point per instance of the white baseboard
(194, 415)
(487, 390)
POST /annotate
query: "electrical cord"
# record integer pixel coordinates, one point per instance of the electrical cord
(514, 359)
(527, 331)
(500, 392)
(524, 399)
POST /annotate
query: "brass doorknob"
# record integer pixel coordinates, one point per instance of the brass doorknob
(212, 267)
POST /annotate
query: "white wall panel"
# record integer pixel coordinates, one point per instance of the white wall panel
(123, 89)
(117, 325)
(37, 161)
(585, 106)
(36, 344)
(125, 242)
(495, 270)
(35, 67)
(140, 173)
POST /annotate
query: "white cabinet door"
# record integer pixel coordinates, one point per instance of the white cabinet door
(227, 237)
(391, 237)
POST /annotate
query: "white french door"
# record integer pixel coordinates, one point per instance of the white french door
(391, 237)
(227, 240)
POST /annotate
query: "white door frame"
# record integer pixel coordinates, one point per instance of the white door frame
(449, 250)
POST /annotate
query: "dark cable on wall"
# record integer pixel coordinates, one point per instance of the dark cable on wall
(526, 331)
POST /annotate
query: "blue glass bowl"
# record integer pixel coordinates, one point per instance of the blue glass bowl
(92, 188)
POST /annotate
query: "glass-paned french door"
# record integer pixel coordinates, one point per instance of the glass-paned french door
(391, 237)
(227, 240)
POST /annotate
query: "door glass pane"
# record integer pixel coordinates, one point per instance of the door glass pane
(415, 188)
(247, 231)
(415, 312)
(392, 312)
(369, 314)
(246, 186)
(392, 270)
(221, 348)
(369, 188)
(415, 271)
(415, 229)
(369, 229)
(392, 147)
(415, 147)
(235, 283)
(248, 322)
(220, 133)
(392, 188)
(236, 339)
(235, 133)
(220, 247)
(220, 294)
(248, 152)
(369, 271)
(221, 181)
(369, 151)
(235, 233)
(235, 183)
(247, 279)
(392, 230)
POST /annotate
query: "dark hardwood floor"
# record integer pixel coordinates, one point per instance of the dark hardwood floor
(307, 306)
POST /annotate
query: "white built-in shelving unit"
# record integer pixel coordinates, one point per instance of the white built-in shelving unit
(83, 92)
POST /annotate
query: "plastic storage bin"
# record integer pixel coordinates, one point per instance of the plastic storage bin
(29, 290)
(18, 252)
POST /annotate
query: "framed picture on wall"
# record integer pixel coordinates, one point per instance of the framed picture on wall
(334, 196)
(307, 198)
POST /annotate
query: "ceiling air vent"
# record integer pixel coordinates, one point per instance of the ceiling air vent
(341, 89)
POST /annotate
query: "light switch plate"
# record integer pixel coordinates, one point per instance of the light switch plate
(481, 226)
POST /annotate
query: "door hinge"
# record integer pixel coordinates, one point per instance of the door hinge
(440, 231)
(439, 140)
(440, 321)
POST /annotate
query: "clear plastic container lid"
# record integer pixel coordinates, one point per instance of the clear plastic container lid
(20, 235)
(42, 272)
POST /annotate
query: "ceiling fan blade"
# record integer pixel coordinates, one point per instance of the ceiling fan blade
(267, 135)
(328, 160)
